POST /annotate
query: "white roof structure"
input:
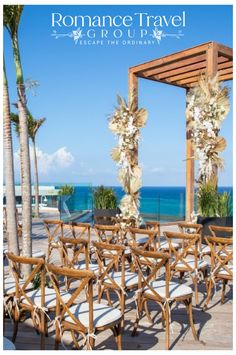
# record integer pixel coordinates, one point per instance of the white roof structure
(43, 190)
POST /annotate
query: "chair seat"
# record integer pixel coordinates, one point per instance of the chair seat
(107, 252)
(131, 278)
(201, 264)
(10, 285)
(205, 249)
(55, 244)
(92, 267)
(38, 254)
(141, 240)
(102, 314)
(50, 297)
(164, 245)
(224, 272)
(175, 289)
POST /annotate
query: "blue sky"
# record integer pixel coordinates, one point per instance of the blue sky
(78, 88)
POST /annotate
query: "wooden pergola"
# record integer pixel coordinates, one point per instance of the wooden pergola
(182, 69)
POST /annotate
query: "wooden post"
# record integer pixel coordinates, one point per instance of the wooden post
(133, 95)
(189, 175)
(212, 59)
(133, 87)
(211, 71)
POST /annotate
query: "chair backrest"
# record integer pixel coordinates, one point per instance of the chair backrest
(79, 249)
(156, 226)
(22, 286)
(146, 240)
(54, 230)
(85, 278)
(155, 261)
(190, 228)
(221, 255)
(109, 257)
(81, 230)
(190, 245)
(106, 234)
(221, 232)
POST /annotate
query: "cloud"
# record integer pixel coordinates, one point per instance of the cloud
(48, 163)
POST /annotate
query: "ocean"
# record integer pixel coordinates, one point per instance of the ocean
(163, 203)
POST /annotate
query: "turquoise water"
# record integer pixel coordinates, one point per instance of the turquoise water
(161, 203)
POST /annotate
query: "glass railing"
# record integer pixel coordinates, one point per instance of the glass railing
(165, 205)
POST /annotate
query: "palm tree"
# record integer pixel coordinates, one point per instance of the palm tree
(33, 127)
(11, 17)
(12, 237)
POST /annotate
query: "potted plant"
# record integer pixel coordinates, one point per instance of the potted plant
(214, 208)
(105, 205)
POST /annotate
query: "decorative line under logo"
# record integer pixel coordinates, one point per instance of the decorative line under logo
(76, 35)
(156, 34)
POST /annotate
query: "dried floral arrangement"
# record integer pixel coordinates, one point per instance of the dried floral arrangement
(126, 123)
(207, 107)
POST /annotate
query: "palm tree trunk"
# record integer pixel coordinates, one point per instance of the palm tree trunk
(13, 244)
(36, 181)
(24, 158)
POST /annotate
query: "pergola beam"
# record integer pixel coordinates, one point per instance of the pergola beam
(178, 65)
(169, 59)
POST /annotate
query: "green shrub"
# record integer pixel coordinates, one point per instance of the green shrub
(211, 203)
(104, 198)
(225, 207)
(66, 190)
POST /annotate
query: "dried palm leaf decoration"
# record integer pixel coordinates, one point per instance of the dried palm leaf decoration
(207, 107)
(126, 123)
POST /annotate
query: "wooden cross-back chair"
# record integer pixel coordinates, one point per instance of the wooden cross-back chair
(76, 255)
(22, 300)
(80, 315)
(221, 264)
(221, 232)
(54, 229)
(142, 238)
(81, 230)
(187, 259)
(111, 278)
(163, 292)
(161, 244)
(106, 233)
(195, 228)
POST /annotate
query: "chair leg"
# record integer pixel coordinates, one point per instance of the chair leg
(167, 317)
(90, 344)
(108, 297)
(100, 293)
(223, 291)
(119, 340)
(206, 281)
(117, 334)
(57, 338)
(43, 326)
(147, 311)
(188, 304)
(196, 290)
(163, 319)
(208, 295)
(138, 311)
(15, 330)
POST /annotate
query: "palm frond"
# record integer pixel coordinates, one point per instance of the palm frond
(11, 18)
